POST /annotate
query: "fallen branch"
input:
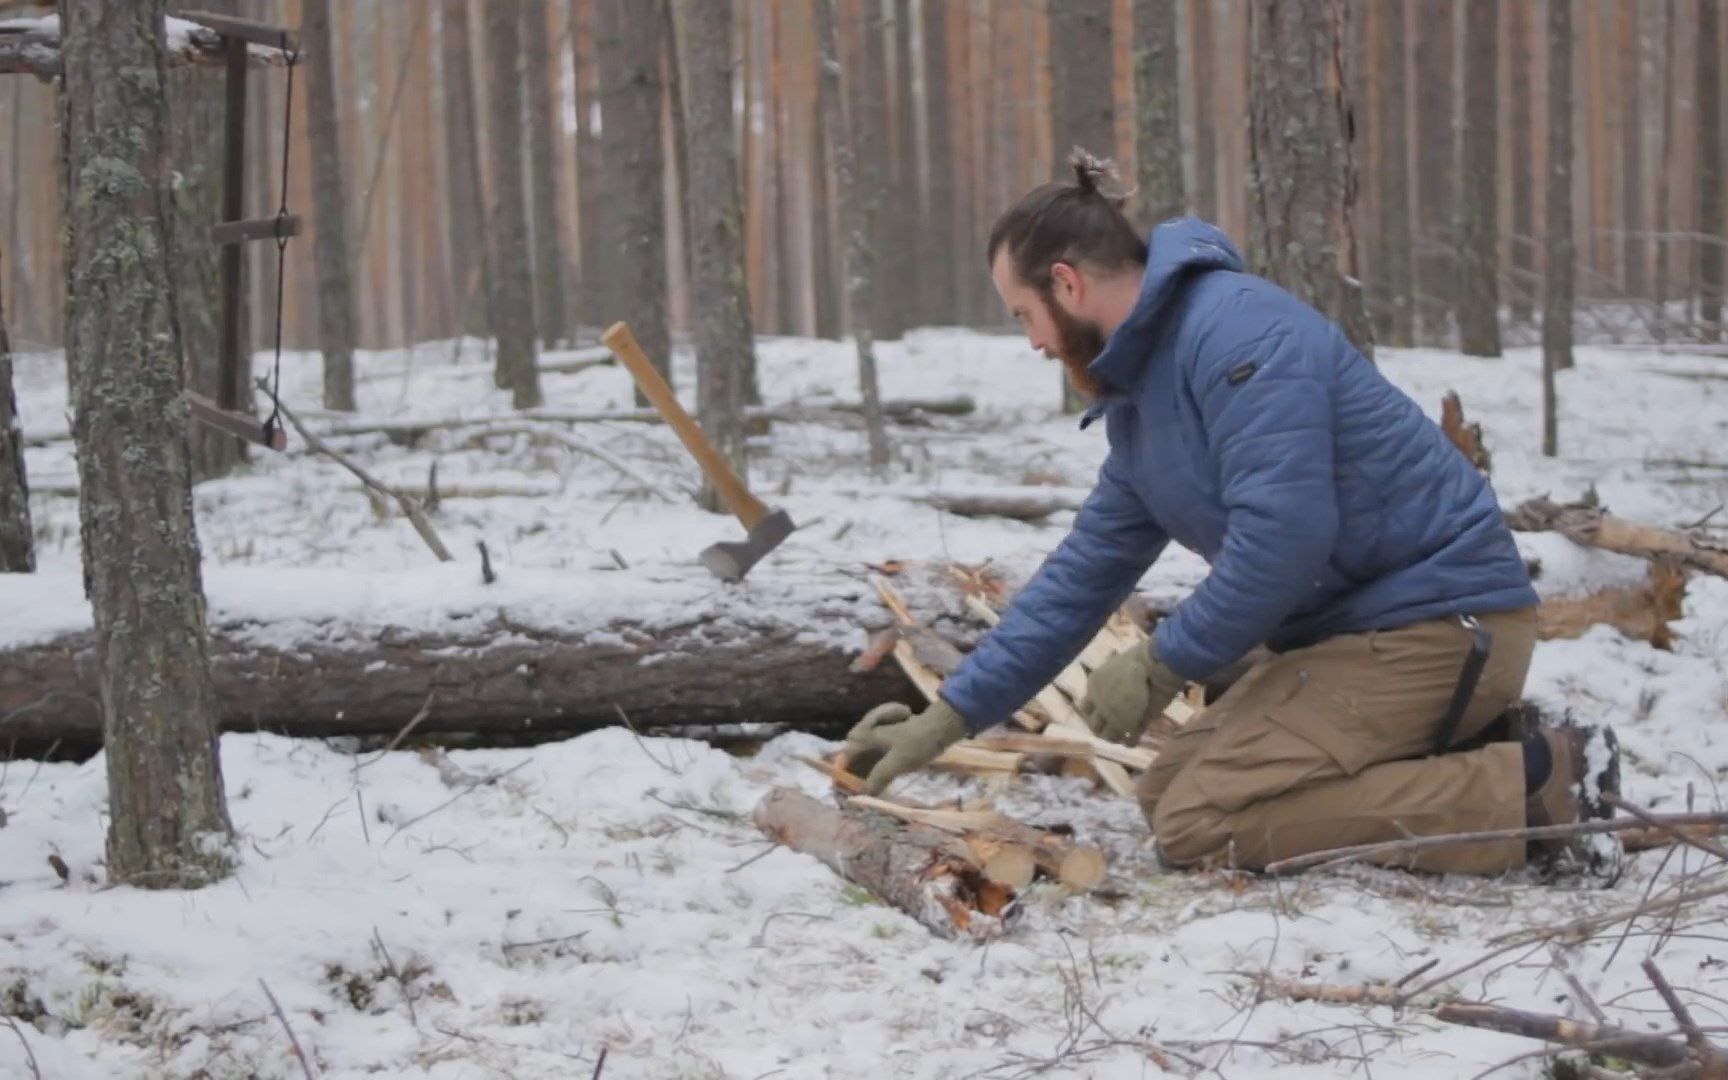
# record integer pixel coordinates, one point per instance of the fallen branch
(1339, 856)
(1605, 1039)
(1678, 834)
(572, 441)
(276, 1007)
(1272, 988)
(1592, 526)
(410, 505)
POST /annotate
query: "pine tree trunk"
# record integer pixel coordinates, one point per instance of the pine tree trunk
(1301, 180)
(1557, 291)
(901, 270)
(1708, 105)
(195, 98)
(855, 213)
(1205, 67)
(1082, 100)
(470, 253)
(1665, 158)
(590, 228)
(869, 96)
(168, 825)
(1436, 270)
(17, 541)
(329, 206)
(635, 170)
(1393, 280)
(512, 301)
(936, 258)
(720, 312)
(1157, 112)
(1634, 281)
(544, 121)
(1522, 290)
(1478, 203)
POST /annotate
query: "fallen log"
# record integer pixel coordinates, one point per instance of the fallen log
(914, 868)
(1592, 526)
(494, 676)
(1059, 858)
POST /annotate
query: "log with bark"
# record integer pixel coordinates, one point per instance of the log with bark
(717, 664)
(925, 872)
(32, 46)
(1590, 525)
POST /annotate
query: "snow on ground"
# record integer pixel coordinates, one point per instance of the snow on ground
(600, 892)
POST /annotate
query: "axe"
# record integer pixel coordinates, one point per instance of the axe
(765, 528)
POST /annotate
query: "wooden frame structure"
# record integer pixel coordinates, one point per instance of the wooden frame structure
(33, 47)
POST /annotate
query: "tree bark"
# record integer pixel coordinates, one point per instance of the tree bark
(1478, 203)
(470, 251)
(936, 256)
(545, 119)
(1634, 281)
(17, 540)
(1302, 183)
(1082, 100)
(635, 170)
(590, 282)
(1522, 287)
(168, 824)
(720, 316)
(1557, 278)
(912, 867)
(1157, 112)
(1436, 268)
(500, 676)
(1708, 105)
(1204, 65)
(1395, 311)
(827, 284)
(902, 240)
(869, 122)
(1668, 80)
(329, 204)
(857, 209)
(512, 302)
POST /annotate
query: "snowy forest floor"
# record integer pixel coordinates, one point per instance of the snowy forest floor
(605, 891)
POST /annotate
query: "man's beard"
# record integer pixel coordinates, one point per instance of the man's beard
(1078, 344)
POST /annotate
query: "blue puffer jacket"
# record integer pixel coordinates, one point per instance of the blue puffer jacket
(1246, 428)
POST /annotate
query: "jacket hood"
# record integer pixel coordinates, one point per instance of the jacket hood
(1175, 249)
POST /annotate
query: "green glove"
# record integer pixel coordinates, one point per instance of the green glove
(890, 740)
(1126, 692)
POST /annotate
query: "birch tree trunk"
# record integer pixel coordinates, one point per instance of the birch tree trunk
(1478, 190)
(633, 162)
(466, 214)
(17, 541)
(720, 315)
(545, 119)
(512, 303)
(1301, 181)
(1157, 112)
(329, 205)
(1392, 281)
(168, 825)
(1557, 292)
(1708, 104)
(855, 211)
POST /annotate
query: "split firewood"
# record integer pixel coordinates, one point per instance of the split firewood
(1078, 867)
(1592, 526)
(1467, 437)
(912, 867)
(1641, 613)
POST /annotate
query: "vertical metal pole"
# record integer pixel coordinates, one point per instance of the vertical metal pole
(231, 348)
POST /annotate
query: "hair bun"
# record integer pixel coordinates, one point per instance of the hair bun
(1090, 173)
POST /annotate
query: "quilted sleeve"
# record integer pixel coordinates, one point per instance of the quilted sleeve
(1087, 577)
(1263, 380)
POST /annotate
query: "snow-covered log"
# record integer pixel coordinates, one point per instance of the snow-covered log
(1592, 526)
(503, 678)
(32, 46)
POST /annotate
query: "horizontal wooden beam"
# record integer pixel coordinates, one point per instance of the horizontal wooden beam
(253, 33)
(32, 47)
(238, 424)
(239, 232)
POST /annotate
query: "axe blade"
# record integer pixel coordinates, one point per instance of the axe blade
(730, 560)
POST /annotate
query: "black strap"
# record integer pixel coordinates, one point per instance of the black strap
(1481, 644)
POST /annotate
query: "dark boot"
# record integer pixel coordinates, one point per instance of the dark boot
(1584, 769)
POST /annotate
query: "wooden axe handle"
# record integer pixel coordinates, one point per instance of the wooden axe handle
(747, 508)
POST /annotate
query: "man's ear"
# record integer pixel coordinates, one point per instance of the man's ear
(1066, 279)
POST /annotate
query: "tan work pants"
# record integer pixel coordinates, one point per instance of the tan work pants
(1328, 746)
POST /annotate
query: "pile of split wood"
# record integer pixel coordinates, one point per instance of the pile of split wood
(959, 870)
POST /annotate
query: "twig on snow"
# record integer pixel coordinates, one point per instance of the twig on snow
(491, 778)
(396, 973)
(29, 1054)
(276, 1007)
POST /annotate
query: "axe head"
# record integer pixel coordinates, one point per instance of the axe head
(730, 560)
